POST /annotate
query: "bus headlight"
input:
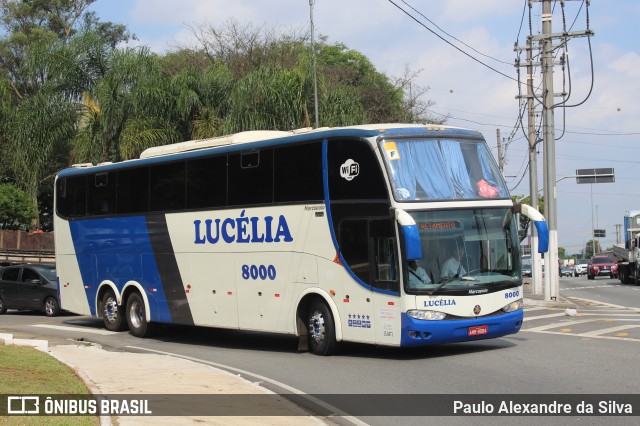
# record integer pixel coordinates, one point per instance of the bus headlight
(513, 306)
(426, 315)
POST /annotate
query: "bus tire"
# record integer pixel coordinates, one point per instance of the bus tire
(51, 307)
(3, 307)
(112, 313)
(322, 330)
(136, 314)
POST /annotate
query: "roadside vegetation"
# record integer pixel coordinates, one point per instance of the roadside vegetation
(28, 371)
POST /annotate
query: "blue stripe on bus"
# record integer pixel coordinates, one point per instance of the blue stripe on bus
(426, 333)
(119, 250)
(325, 180)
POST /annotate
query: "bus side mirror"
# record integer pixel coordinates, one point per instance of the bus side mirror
(412, 245)
(540, 224)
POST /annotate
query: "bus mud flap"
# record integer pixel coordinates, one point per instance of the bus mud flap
(303, 340)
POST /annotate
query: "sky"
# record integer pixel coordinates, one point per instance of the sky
(476, 89)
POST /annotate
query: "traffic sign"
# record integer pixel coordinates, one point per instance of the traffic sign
(595, 176)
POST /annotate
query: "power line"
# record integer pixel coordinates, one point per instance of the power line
(449, 43)
(453, 37)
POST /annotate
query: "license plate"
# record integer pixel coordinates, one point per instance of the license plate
(478, 330)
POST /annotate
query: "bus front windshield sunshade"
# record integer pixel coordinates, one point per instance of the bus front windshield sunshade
(442, 169)
(463, 249)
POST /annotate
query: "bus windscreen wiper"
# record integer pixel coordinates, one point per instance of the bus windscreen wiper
(447, 280)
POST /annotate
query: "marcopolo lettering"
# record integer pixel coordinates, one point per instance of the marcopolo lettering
(243, 229)
(439, 302)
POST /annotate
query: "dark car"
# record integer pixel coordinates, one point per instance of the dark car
(29, 287)
(601, 265)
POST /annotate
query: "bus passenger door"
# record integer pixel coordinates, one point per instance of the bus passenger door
(385, 281)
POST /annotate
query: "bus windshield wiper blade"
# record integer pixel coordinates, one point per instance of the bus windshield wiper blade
(447, 280)
(443, 282)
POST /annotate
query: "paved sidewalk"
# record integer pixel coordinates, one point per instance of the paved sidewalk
(531, 299)
(111, 373)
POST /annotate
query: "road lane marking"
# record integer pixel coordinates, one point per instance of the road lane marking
(611, 305)
(609, 330)
(629, 339)
(560, 314)
(557, 325)
(77, 329)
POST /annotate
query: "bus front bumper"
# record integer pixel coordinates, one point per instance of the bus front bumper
(426, 333)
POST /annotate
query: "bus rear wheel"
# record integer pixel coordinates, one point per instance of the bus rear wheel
(322, 331)
(112, 314)
(137, 317)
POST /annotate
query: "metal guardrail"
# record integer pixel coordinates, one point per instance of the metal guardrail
(12, 257)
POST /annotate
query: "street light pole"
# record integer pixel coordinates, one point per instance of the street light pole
(313, 54)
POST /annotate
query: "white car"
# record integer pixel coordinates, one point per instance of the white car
(581, 267)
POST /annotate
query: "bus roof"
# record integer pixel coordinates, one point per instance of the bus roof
(261, 138)
(262, 135)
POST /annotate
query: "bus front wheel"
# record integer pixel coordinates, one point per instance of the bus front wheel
(137, 317)
(322, 331)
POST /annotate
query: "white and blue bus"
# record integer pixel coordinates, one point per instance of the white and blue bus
(397, 235)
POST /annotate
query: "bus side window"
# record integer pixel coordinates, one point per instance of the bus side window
(102, 194)
(386, 268)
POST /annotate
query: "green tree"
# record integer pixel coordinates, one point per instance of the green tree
(40, 86)
(592, 247)
(16, 209)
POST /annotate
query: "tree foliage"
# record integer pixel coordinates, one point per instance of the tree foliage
(73, 91)
(16, 209)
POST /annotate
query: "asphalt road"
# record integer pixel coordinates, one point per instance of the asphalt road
(594, 352)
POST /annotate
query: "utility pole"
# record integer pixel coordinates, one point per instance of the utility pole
(551, 282)
(536, 261)
(313, 54)
(618, 228)
(551, 258)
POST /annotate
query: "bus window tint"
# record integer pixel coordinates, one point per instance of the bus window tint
(354, 172)
(71, 196)
(298, 173)
(353, 239)
(102, 194)
(133, 191)
(207, 182)
(166, 185)
(251, 178)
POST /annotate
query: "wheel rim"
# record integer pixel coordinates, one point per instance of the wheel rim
(49, 306)
(111, 310)
(136, 314)
(316, 327)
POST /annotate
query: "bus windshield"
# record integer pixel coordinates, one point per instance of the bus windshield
(442, 169)
(464, 249)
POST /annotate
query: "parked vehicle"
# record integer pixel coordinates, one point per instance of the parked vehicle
(602, 265)
(567, 271)
(580, 267)
(526, 266)
(628, 256)
(29, 287)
